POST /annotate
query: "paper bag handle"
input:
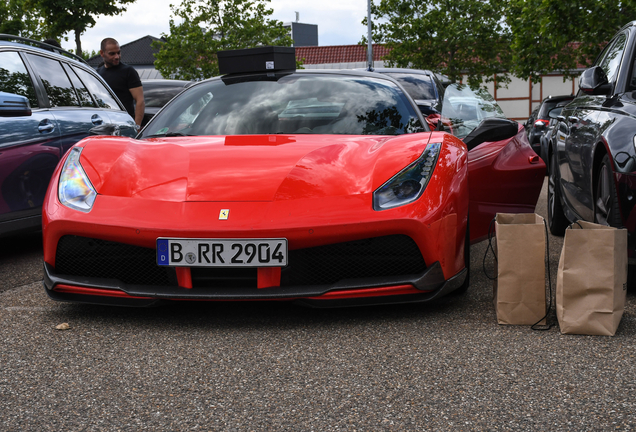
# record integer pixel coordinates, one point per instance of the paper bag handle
(545, 327)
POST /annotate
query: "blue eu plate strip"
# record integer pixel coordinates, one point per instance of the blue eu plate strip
(162, 252)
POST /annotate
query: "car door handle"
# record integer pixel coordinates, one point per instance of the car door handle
(97, 120)
(573, 119)
(46, 127)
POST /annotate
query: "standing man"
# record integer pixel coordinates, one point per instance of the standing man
(123, 79)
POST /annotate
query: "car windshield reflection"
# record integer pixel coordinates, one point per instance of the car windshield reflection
(289, 104)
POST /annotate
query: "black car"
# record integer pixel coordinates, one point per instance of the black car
(550, 131)
(425, 87)
(593, 158)
(538, 122)
(453, 107)
(158, 92)
(50, 99)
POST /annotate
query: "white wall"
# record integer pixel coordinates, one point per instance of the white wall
(554, 86)
(519, 98)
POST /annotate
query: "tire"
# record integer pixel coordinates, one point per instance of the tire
(557, 222)
(464, 287)
(606, 211)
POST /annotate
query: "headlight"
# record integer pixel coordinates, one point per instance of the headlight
(409, 184)
(75, 189)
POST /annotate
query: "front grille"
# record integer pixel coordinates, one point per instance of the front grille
(396, 255)
(81, 256)
(223, 277)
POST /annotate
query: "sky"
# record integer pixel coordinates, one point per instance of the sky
(339, 21)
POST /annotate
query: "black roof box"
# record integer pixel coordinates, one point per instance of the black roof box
(261, 59)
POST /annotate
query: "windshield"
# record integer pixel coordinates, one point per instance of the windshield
(464, 108)
(288, 104)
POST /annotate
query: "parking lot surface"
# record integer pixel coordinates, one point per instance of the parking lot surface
(241, 366)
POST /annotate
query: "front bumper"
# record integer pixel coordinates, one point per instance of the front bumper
(327, 238)
(353, 292)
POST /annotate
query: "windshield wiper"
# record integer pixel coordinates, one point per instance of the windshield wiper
(169, 134)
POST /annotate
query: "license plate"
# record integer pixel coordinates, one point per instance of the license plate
(221, 252)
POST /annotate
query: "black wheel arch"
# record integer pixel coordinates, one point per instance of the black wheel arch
(599, 152)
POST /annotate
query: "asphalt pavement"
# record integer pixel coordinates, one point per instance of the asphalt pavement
(245, 366)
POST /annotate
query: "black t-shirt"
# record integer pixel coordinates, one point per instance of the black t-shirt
(121, 78)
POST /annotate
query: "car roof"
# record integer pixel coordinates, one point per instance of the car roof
(629, 24)
(403, 70)
(351, 72)
(558, 98)
(162, 82)
(21, 43)
(443, 79)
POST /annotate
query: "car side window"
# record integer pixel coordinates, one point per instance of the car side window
(157, 97)
(418, 87)
(58, 87)
(97, 89)
(612, 61)
(14, 77)
(82, 91)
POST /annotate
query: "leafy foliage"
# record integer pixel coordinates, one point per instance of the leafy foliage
(18, 83)
(205, 27)
(543, 32)
(87, 55)
(18, 19)
(454, 37)
(480, 38)
(64, 16)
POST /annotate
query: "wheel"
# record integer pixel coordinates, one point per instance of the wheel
(557, 222)
(464, 287)
(606, 210)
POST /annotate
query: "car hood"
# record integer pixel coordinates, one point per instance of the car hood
(246, 168)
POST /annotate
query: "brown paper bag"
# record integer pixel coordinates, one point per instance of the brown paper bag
(519, 286)
(592, 279)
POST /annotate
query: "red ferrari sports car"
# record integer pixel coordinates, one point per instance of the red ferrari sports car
(325, 188)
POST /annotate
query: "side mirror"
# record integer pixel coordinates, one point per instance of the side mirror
(491, 129)
(594, 81)
(13, 105)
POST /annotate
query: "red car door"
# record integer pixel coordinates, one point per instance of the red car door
(504, 176)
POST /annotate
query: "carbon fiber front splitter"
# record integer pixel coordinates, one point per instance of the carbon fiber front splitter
(352, 292)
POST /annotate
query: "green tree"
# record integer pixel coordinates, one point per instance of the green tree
(19, 20)
(556, 35)
(204, 27)
(454, 37)
(65, 16)
(86, 55)
(18, 83)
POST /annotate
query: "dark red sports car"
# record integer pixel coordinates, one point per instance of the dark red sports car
(325, 188)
